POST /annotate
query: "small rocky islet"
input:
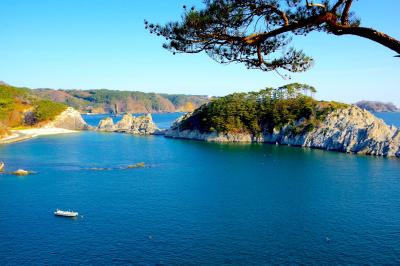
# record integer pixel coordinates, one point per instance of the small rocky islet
(127, 167)
(141, 125)
(18, 172)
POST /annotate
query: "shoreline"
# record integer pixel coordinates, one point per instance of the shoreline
(349, 130)
(26, 134)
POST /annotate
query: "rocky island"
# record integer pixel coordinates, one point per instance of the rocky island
(288, 117)
(142, 125)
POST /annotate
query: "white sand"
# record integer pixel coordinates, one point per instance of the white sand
(24, 134)
(13, 136)
(43, 131)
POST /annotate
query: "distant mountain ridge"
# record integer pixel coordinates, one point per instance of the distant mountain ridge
(113, 101)
(375, 106)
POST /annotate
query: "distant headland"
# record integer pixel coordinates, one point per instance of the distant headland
(375, 106)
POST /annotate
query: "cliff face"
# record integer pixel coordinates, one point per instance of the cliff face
(142, 125)
(106, 124)
(69, 119)
(352, 130)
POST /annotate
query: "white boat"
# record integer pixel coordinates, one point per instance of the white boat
(65, 213)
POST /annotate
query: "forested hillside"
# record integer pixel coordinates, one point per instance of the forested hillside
(21, 107)
(263, 111)
(111, 101)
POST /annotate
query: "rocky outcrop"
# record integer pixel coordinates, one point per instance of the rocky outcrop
(69, 119)
(106, 124)
(351, 130)
(20, 172)
(142, 125)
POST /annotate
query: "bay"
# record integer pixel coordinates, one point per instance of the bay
(195, 203)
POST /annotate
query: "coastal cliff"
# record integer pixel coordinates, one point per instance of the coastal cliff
(142, 125)
(351, 130)
(69, 119)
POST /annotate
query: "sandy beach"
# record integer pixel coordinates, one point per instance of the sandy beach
(25, 134)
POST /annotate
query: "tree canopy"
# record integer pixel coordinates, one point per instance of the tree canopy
(262, 111)
(257, 33)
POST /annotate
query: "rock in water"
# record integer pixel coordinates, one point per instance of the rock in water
(142, 125)
(136, 165)
(106, 124)
(1, 166)
(125, 124)
(69, 119)
(20, 172)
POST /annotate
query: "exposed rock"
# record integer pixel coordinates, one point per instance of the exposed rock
(106, 124)
(69, 119)
(99, 169)
(142, 125)
(125, 124)
(136, 165)
(20, 172)
(1, 166)
(352, 130)
(131, 166)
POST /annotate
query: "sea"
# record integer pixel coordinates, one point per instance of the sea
(195, 203)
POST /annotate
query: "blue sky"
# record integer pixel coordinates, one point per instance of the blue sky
(87, 44)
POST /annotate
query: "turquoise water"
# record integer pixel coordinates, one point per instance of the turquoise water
(195, 203)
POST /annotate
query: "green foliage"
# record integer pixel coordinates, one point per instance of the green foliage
(257, 33)
(15, 103)
(126, 101)
(45, 110)
(179, 100)
(256, 112)
(8, 98)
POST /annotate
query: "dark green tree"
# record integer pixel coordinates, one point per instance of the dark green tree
(258, 32)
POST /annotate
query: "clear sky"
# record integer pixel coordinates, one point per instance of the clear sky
(87, 44)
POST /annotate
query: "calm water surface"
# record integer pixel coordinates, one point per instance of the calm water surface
(390, 118)
(195, 203)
